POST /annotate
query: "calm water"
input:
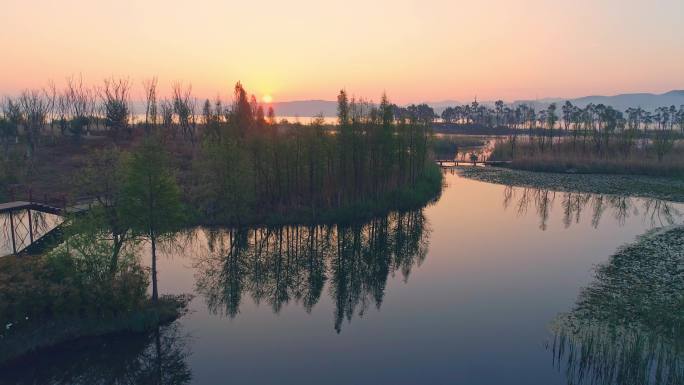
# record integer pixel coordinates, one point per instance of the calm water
(40, 222)
(464, 291)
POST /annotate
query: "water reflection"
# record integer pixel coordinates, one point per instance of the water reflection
(575, 204)
(40, 224)
(294, 263)
(627, 327)
(158, 357)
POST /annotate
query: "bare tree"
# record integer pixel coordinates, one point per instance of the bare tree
(184, 107)
(34, 107)
(62, 112)
(12, 118)
(167, 114)
(52, 95)
(114, 97)
(80, 104)
(150, 87)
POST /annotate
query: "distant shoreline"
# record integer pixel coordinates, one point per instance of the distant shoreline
(670, 189)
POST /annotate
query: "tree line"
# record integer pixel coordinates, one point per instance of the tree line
(76, 110)
(247, 163)
(596, 129)
(242, 168)
(241, 157)
(524, 116)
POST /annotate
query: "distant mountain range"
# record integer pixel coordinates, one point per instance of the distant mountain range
(328, 108)
(306, 108)
(622, 101)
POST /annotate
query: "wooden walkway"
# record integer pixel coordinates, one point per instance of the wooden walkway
(46, 240)
(35, 206)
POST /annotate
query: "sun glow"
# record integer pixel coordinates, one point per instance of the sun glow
(267, 99)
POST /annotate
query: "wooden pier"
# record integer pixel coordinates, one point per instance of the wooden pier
(20, 211)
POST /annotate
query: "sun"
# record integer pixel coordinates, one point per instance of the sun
(267, 98)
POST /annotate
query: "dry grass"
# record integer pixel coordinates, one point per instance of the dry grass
(564, 157)
(50, 174)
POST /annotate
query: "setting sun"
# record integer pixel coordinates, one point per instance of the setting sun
(303, 192)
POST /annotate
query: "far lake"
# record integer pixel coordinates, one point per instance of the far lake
(462, 292)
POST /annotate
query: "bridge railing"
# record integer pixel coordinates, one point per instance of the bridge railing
(61, 201)
(58, 200)
(21, 217)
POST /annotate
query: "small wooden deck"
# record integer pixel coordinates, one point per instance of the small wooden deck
(45, 208)
(23, 205)
(14, 210)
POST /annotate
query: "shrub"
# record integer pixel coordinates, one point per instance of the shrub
(72, 280)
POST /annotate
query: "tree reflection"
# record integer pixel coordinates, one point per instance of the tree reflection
(158, 357)
(294, 263)
(627, 327)
(38, 222)
(575, 204)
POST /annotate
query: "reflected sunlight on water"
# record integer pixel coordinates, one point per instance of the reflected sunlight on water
(463, 291)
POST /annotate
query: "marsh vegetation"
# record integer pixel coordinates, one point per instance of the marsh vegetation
(227, 167)
(321, 216)
(626, 327)
(598, 139)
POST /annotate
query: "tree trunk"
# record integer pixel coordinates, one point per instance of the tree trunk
(114, 261)
(155, 293)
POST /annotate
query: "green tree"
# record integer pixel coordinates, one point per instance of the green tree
(152, 199)
(102, 179)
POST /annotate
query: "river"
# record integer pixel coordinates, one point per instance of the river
(461, 292)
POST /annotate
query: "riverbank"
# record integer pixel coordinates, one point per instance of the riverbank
(628, 321)
(566, 156)
(51, 299)
(671, 189)
(48, 300)
(425, 190)
(54, 332)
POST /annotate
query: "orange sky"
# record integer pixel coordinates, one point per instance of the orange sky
(305, 49)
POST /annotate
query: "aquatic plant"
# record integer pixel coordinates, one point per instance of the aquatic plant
(627, 327)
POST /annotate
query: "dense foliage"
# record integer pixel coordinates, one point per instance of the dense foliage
(249, 167)
(236, 166)
(73, 280)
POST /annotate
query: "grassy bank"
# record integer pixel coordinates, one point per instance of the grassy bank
(33, 336)
(50, 299)
(566, 156)
(671, 189)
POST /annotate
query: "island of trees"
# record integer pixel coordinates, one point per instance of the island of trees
(235, 164)
(182, 163)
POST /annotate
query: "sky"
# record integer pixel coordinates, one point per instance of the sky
(415, 51)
